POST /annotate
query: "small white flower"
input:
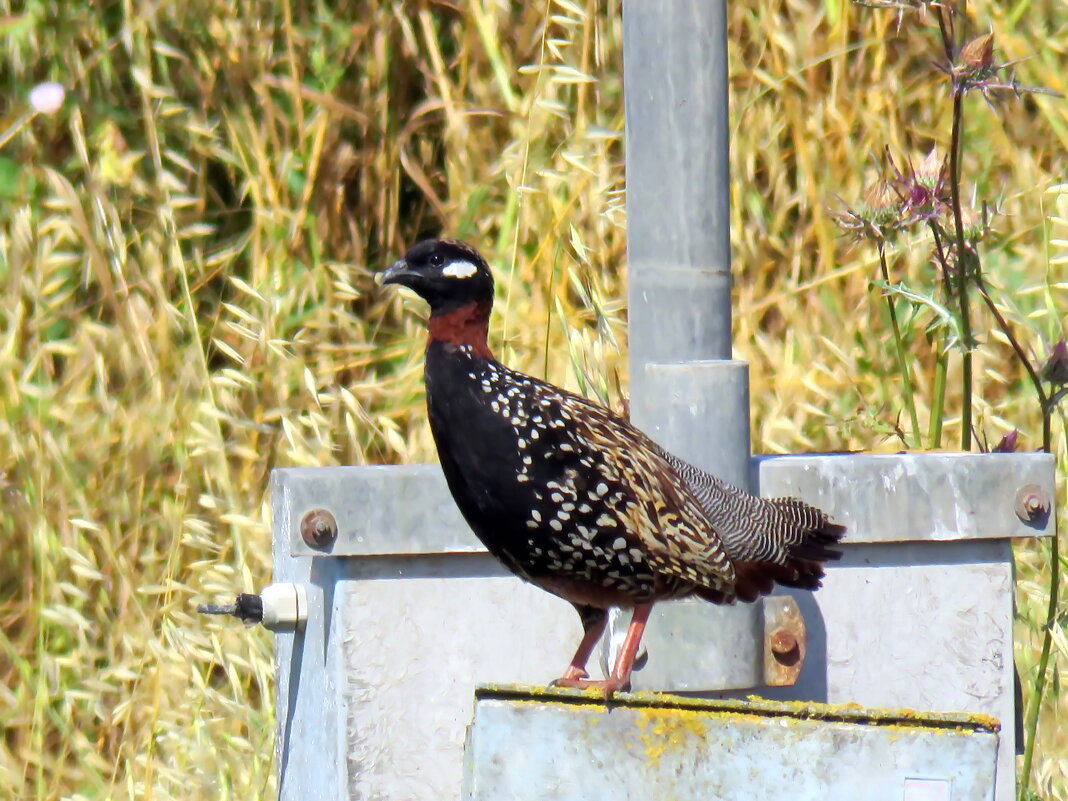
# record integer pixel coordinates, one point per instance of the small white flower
(47, 98)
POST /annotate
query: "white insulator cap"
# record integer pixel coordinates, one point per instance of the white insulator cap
(285, 606)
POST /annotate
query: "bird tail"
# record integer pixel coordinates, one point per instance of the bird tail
(769, 541)
(796, 543)
(819, 536)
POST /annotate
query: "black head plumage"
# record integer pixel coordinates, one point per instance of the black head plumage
(446, 273)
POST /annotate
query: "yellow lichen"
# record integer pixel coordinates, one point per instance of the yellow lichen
(754, 706)
(664, 730)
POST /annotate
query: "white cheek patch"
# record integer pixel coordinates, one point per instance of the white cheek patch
(460, 269)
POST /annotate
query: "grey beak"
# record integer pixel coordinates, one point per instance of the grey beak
(395, 274)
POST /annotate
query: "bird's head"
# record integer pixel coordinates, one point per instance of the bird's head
(447, 274)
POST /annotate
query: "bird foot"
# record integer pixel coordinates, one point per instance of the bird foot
(607, 686)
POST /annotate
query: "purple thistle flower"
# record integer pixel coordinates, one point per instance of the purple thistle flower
(923, 190)
(1055, 369)
(1007, 443)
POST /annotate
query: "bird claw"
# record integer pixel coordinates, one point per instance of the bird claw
(607, 686)
(569, 681)
(572, 674)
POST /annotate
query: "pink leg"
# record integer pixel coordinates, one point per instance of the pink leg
(620, 678)
(629, 652)
(576, 671)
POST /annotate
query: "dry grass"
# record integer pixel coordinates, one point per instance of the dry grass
(187, 254)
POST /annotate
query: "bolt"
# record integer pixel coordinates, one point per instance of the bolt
(318, 528)
(783, 642)
(1032, 504)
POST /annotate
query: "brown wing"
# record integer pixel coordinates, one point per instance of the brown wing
(660, 511)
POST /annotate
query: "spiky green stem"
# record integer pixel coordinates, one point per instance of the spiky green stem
(962, 263)
(938, 403)
(899, 347)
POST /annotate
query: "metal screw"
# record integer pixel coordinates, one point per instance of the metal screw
(1032, 503)
(318, 528)
(783, 642)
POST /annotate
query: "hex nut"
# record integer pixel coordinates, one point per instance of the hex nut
(783, 642)
(318, 528)
(1032, 504)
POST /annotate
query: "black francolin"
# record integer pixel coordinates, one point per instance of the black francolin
(573, 498)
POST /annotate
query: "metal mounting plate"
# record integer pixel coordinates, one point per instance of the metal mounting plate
(399, 510)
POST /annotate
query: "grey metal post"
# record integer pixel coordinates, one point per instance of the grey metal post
(685, 391)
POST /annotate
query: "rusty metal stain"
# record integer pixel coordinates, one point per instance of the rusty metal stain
(785, 641)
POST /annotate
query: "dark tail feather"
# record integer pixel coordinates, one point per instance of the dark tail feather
(803, 568)
(819, 544)
(753, 579)
(806, 558)
(819, 535)
(718, 597)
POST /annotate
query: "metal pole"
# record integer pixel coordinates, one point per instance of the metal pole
(685, 391)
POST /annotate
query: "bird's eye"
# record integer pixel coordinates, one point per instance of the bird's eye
(437, 260)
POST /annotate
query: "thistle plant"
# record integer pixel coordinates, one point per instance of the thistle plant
(925, 205)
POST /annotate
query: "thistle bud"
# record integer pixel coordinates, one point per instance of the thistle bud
(978, 54)
(932, 171)
(974, 225)
(1007, 443)
(1056, 368)
(880, 206)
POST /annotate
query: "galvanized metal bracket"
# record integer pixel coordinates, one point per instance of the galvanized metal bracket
(407, 510)
(934, 497)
